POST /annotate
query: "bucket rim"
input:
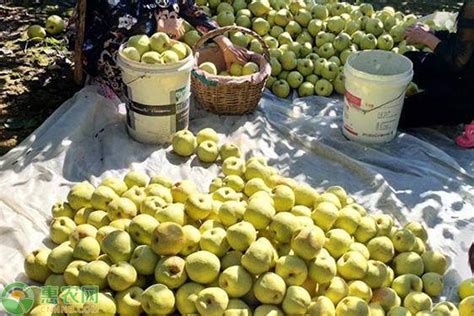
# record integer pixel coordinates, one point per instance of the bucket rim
(404, 76)
(183, 64)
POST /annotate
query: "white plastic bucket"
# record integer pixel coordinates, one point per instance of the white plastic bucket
(375, 83)
(158, 97)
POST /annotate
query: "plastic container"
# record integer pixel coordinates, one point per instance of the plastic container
(376, 83)
(158, 96)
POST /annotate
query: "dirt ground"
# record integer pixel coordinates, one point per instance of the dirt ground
(37, 78)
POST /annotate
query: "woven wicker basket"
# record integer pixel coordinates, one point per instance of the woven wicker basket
(225, 94)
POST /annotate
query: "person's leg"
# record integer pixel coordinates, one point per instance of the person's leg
(444, 103)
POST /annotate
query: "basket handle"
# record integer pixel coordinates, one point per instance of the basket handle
(220, 31)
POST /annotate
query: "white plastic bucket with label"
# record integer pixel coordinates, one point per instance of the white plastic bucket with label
(158, 98)
(375, 83)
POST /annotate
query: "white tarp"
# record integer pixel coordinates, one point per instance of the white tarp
(421, 175)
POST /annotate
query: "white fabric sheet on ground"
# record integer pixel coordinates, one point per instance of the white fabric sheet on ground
(420, 175)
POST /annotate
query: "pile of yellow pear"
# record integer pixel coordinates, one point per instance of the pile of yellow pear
(257, 243)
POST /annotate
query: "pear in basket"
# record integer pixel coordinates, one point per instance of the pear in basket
(170, 57)
(131, 53)
(208, 67)
(235, 69)
(140, 43)
(250, 68)
(180, 50)
(152, 57)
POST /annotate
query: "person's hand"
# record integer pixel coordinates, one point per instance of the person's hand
(171, 26)
(418, 35)
(232, 53)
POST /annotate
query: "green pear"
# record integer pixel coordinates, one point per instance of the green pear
(202, 266)
(94, 273)
(82, 231)
(296, 301)
(407, 283)
(121, 276)
(433, 284)
(417, 301)
(60, 209)
(360, 248)
(80, 195)
(284, 198)
(335, 290)
(71, 274)
(229, 150)
(118, 245)
(116, 184)
(128, 301)
(144, 260)
(305, 195)
(255, 169)
(359, 208)
(198, 205)
(136, 178)
(98, 219)
(283, 226)
(60, 229)
(142, 227)
(384, 224)
(55, 280)
(87, 249)
(268, 310)
(102, 196)
(241, 235)
(386, 297)
(292, 269)
(377, 273)
(211, 301)
(259, 213)
(231, 212)
(337, 242)
(466, 288)
(121, 224)
(366, 230)
(259, 257)
(59, 258)
(361, 290)
(321, 306)
(159, 190)
(235, 182)
(182, 190)
(352, 266)
(214, 240)
(226, 194)
(255, 185)
(270, 288)
(209, 224)
(329, 197)
(162, 180)
(105, 305)
(348, 219)
(135, 194)
(418, 229)
(192, 237)
(408, 262)
(322, 268)
(381, 249)
(186, 297)
(466, 306)
(236, 281)
(403, 240)
(376, 310)
(121, 207)
(398, 311)
(237, 307)
(435, 262)
(301, 210)
(158, 299)
(304, 221)
(168, 239)
(390, 277)
(325, 215)
(233, 166)
(446, 309)
(36, 265)
(420, 247)
(104, 231)
(152, 204)
(231, 258)
(82, 215)
(171, 272)
(352, 306)
(307, 242)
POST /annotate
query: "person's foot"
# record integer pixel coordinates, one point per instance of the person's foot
(466, 140)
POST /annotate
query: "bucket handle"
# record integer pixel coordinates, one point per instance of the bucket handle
(133, 80)
(385, 103)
